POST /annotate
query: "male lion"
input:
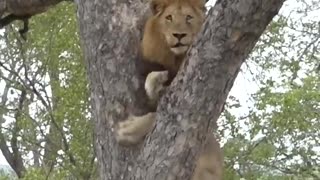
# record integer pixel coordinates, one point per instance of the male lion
(170, 31)
(168, 34)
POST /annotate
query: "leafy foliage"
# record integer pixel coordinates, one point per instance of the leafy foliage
(278, 137)
(53, 130)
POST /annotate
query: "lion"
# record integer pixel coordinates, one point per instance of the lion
(170, 31)
(168, 34)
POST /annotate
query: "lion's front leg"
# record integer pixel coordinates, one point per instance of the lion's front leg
(154, 85)
(133, 130)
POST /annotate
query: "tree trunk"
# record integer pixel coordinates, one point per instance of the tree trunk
(111, 31)
(10, 150)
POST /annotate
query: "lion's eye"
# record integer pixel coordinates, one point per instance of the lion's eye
(188, 18)
(169, 18)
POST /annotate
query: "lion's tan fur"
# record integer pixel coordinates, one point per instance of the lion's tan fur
(158, 32)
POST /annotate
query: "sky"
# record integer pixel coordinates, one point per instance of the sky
(243, 86)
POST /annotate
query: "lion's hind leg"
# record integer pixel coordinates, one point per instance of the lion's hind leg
(210, 162)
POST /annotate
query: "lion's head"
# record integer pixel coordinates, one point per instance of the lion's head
(179, 21)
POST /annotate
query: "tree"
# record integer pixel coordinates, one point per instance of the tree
(194, 100)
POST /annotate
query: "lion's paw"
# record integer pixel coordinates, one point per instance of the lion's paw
(132, 130)
(154, 84)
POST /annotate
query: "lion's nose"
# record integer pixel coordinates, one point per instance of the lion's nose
(179, 36)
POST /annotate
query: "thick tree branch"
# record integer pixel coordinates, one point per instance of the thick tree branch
(23, 10)
(30, 7)
(13, 157)
(18, 165)
(3, 143)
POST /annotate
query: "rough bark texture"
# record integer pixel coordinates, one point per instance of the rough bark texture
(111, 31)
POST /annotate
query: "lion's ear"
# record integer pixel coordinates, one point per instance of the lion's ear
(198, 3)
(157, 6)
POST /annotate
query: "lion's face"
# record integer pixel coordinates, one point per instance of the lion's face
(180, 22)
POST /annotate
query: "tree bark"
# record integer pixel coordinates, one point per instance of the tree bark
(111, 31)
(22, 6)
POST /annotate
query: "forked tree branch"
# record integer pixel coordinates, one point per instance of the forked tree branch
(196, 97)
(191, 105)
